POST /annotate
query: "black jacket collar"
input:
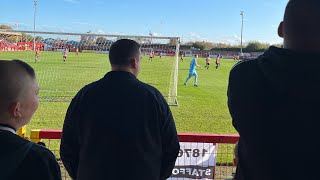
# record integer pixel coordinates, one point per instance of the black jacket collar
(120, 75)
(5, 127)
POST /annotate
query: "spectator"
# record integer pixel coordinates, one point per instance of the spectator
(119, 127)
(274, 102)
(20, 158)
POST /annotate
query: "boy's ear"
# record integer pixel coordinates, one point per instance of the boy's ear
(15, 109)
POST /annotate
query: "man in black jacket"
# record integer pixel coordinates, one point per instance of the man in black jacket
(119, 127)
(274, 102)
(20, 158)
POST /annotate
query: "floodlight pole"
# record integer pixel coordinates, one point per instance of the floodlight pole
(151, 36)
(241, 14)
(17, 25)
(34, 25)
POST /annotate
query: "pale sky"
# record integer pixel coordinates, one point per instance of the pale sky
(201, 20)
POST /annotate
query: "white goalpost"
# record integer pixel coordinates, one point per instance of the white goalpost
(65, 62)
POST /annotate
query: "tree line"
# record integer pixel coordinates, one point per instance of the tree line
(254, 46)
(24, 37)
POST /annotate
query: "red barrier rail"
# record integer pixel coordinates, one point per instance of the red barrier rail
(183, 137)
(224, 155)
(209, 138)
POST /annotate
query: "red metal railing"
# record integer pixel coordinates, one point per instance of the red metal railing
(224, 155)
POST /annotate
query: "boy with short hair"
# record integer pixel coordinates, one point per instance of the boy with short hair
(20, 158)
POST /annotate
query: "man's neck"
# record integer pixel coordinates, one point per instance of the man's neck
(123, 69)
(301, 47)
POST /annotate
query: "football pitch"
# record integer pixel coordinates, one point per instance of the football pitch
(201, 109)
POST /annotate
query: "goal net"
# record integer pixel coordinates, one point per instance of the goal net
(65, 62)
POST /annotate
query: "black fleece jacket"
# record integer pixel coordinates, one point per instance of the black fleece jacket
(274, 102)
(119, 128)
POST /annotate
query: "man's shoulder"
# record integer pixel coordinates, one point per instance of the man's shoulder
(152, 91)
(153, 95)
(41, 152)
(245, 67)
(149, 88)
(84, 89)
(246, 73)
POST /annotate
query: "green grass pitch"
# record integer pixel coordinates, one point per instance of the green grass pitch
(201, 109)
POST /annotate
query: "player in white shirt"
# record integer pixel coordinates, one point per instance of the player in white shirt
(65, 54)
(207, 62)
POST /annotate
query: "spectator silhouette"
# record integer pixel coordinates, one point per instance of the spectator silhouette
(119, 127)
(274, 101)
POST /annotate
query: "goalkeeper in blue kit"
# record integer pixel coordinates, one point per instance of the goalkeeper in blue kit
(193, 71)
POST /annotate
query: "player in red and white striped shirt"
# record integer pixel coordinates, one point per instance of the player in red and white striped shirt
(207, 62)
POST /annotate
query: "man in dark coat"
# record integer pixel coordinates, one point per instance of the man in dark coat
(119, 127)
(274, 102)
(20, 158)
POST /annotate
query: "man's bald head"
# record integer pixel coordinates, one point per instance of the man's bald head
(15, 78)
(301, 27)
